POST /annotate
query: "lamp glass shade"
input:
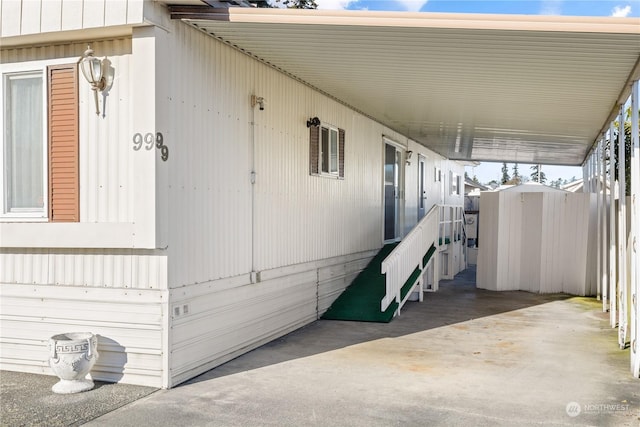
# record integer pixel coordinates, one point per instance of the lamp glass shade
(92, 70)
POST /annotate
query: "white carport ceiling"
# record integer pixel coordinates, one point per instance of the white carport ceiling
(527, 89)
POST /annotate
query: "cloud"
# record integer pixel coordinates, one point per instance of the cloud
(333, 4)
(412, 5)
(399, 5)
(551, 7)
(621, 12)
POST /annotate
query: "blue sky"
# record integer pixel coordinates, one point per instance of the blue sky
(619, 8)
(628, 8)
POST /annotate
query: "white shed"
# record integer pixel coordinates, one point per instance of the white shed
(537, 238)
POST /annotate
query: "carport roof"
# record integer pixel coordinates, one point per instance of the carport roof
(529, 89)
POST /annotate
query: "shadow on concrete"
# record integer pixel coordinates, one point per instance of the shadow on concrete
(456, 301)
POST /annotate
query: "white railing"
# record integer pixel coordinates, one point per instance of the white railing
(452, 238)
(451, 224)
(400, 264)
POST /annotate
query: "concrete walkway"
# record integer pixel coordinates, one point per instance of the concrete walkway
(463, 357)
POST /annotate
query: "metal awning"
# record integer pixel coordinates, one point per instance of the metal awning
(529, 89)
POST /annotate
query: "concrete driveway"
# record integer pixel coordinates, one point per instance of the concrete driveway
(463, 357)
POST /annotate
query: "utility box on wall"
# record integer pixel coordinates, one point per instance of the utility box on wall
(538, 241)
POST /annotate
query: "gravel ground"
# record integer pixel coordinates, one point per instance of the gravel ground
(27, 400)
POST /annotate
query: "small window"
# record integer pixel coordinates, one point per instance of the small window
(437, 175)
(326, 151)
(39, 176)
(23, 149)
(454, 183)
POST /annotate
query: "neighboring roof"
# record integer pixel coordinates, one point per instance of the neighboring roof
(528, 89)
(531, 187)
(578, 185)
(575, 186)
(470, 183)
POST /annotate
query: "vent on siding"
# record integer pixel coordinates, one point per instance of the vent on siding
(63, 143)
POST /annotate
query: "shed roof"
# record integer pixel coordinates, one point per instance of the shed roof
(530, 187)
(528, 89)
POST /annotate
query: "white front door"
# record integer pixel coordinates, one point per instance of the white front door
(422, 187)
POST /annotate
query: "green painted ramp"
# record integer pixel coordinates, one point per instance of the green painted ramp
(361, 300)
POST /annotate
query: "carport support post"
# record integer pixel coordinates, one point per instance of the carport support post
(622, 236)
(602, 242)
(596, 158)
(613, 238)
(635, 230)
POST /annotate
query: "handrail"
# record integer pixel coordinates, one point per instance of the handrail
(451, 225)
(400, 264)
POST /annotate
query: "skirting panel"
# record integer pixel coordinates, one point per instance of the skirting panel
(128, 324)
(216, 321)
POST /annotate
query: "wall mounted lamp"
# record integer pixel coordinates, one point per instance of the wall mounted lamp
(314, 121)
(96, 72)
(257, 100)
(409, 153)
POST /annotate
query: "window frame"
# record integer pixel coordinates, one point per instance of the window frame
(316, 152)
(330, 129)
(39, 67)
(455, 183)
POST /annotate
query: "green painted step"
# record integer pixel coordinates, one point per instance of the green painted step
(361, 300)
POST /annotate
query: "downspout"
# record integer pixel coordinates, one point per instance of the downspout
(255, 100)
(252, 179)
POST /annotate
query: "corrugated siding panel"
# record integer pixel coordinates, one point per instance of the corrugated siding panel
(106, 153)
(300, 217)
(125, 268)
(63, 143)
(22, 17)
(487, 274)
(214, 130)
(128, 325)
(216, 321)
(206, 107)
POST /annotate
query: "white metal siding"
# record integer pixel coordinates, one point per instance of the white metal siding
(124, 268)
(297, 217)
(210, 127)
(128, 323)
(26, 17)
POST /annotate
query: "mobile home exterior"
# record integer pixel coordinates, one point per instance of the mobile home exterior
(197, 215)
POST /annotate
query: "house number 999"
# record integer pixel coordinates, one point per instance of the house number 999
(149, 141)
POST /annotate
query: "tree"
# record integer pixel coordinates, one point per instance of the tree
(261, 3)
(505, 174)
(516, 179)
(537, 175)
(627, 153)
(299, 4)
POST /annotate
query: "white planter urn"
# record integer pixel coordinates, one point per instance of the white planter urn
(71, 357)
